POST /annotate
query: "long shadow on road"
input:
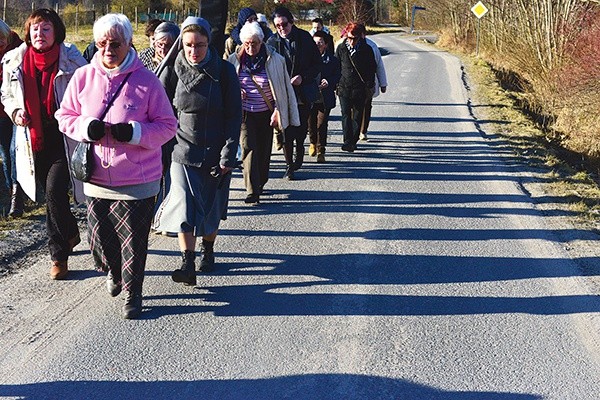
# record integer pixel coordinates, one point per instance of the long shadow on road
(324, 281)
(310, 386)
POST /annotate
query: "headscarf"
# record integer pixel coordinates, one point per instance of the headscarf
(177, 46)
(166, 29)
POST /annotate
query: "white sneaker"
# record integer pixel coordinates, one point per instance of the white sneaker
(363, 136)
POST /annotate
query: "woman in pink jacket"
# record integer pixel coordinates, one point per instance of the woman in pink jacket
(127, 153)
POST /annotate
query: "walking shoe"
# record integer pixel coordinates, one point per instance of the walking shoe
(312, 150)
(289, 174)
(133, 305)
(363, 136)
(348, 147)
(252, 199)
(58, 270)
(207, 262)
(320, 158)
(187, 273)
(114, 288)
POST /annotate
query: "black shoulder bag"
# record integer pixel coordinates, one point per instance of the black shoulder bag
(82, 159)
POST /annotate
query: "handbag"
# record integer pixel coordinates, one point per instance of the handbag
(82, 165)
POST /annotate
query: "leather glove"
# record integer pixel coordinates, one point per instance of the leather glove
(96, 130)
(123, 132)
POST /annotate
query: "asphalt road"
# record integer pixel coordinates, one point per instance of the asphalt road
(414, 268)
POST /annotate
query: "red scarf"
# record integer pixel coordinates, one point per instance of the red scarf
(47, 64)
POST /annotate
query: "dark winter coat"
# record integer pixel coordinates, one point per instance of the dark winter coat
(352, 84)
(331, 71)
(302, 58)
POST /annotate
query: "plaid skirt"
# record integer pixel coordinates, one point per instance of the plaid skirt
(118, 235)
(196, 202)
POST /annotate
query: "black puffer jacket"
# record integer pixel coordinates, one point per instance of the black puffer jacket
(352, 84)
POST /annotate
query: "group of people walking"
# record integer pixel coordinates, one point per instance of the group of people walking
(167, 126)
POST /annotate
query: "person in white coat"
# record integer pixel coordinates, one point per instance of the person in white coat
(380, 87)
(35, 77)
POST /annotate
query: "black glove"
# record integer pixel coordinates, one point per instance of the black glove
(96, 130)
(122, 132)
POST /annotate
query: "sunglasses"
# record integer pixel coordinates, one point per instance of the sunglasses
(113, 45)
(282, 25)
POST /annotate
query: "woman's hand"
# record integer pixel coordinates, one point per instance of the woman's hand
(323, 84)
(244, 95)
(275, 118)
(225, 170)
(296, 80)
(21, 117)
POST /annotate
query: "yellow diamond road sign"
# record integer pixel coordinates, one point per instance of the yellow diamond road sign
(479, 10)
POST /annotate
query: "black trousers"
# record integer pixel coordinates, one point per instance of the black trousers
(295, 137)
(317, 126)
(256, 138)
(52, 173)
(352, 118)
(367, 115)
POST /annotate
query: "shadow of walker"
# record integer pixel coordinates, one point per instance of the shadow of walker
(297, 387)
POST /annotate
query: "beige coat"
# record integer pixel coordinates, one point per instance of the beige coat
(281, 87)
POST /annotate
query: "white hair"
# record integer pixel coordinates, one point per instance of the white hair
(251, 30)
(117, 25)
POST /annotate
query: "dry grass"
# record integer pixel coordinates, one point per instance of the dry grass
(577, 189)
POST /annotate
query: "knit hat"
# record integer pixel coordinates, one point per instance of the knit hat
(197, 21)
(168, 28)
(244, 14)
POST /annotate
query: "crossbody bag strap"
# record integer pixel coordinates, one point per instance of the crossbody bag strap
(112, 100)
(262, 93)
(356, 69)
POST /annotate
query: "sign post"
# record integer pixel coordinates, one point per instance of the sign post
(479, 10)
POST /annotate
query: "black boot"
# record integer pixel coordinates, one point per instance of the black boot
(299, 159)
(207, 263)
(16, 201)
(187, 273)
(133, 305)
(113, 286)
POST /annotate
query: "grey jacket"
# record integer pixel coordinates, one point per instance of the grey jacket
(209, 111)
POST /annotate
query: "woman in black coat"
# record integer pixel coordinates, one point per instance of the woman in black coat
(357, 82)
(319, 114)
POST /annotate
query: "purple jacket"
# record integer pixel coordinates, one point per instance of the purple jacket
(142, 103)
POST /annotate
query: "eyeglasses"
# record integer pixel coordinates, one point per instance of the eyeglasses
(252, 18)
(251, 43)
(282, 25)
(113, 45)
(352, 38)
